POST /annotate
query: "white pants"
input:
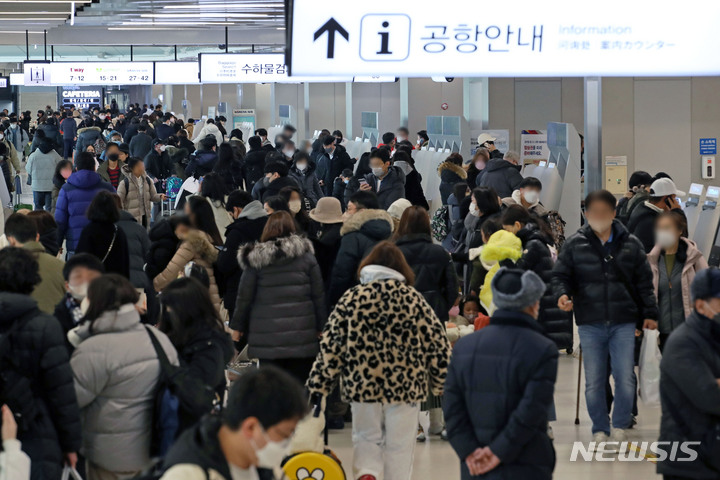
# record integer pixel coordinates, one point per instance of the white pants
(384, 439)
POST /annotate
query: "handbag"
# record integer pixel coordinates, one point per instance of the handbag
(69, 473)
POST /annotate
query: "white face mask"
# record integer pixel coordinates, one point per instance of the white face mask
(102, 117)
(378, 171)
(272, 454)
(665, 238)
(162, 148)
(288, 153)
(531, 197)
(600, 226)
(295, 205)
(78, 292)
(474, 210)
(400, 139)
(301, 166)
(2, 136)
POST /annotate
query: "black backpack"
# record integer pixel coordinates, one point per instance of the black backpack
(15, 388)
(175, 389)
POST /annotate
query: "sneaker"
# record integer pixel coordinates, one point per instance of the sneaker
(367, 477)
(634, 422)
(550, 433)
(420, 438)
(599, 438)
(443, 435)
(618, 435)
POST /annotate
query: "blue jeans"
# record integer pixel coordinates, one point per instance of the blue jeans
(597, 342)
(42, 200)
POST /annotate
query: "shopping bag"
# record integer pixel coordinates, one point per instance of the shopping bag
(649, 378)
(69, 473)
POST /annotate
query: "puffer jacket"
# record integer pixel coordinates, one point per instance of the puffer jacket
(195, 247)
(410, 352)
(503, 405)
(87, 136)
(502, 246)
(72, 204)
(41, 167)
(502, 176)
(597, 292)
(208, 129)
(435, 276)
(360, 233)
(308, 183)
(159, 165)
(641, 223)
(536, 256)
(253, 167)
(692, 261)
(201, 163)
(58, 182)
(392, 186)
(116, 370)
(450, 174)
(38, 347)
(138, 247)
(280, 305)
(689, 392)
(130, 196)
(246, 229)
(140, 145)
(163, 245)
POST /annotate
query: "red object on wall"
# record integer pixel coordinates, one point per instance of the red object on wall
(444, 106)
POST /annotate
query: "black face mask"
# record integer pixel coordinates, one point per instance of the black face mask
(113, 157)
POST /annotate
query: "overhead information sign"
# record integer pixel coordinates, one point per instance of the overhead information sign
(513, 38)
(252, 68)
(176, 73)
(88, 73)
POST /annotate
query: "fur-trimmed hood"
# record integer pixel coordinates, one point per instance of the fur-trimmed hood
(200, 243)
(263, 254)
(451, 167)
(357, 221)
(88, 129)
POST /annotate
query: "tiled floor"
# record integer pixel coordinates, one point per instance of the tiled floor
(435, 459)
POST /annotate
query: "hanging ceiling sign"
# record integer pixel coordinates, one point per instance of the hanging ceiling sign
(88, 73)
(514, 38)
(252, 68)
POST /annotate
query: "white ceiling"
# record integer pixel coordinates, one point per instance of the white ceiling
(132, 17)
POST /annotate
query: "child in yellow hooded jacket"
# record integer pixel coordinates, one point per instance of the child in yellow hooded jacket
(502, 245)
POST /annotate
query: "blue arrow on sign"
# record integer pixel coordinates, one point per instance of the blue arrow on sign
(331, 27)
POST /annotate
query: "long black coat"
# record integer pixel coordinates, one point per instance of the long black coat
(537, 257)
(642, 224)
(138, 244)
(108, 241)
(413, 190)
(435, 276)
(39, 349)
(689, 392)
(247, 228)
(360, 233)
(497, 394)
(597, 292)
(328, 170)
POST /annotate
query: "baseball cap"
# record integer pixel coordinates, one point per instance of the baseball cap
(485, 137)
(664, 186)
(157, 141)
(706, 284)
(124, 147)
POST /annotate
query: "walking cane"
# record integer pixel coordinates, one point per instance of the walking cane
(577, 402)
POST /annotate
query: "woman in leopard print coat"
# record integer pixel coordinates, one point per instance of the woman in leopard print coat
(387, 344)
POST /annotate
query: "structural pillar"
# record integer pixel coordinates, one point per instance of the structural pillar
(306, 108)
(404, 102)
(593, 134)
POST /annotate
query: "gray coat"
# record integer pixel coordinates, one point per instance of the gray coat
(308, 183)
(116, 371)
(501, 175)
(280, 305)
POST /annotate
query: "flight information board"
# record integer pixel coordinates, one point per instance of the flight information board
(89, 73)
